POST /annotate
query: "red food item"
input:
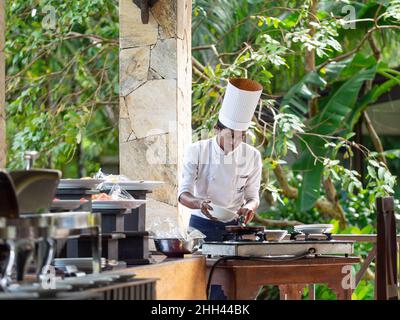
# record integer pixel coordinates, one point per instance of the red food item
(101, 196)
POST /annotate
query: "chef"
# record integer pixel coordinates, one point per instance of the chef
(224, 170)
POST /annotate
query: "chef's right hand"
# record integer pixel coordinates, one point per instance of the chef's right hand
(205, 209)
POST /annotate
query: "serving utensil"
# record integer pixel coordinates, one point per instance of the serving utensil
(241, 220)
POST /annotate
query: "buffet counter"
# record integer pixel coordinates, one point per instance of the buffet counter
(178, 278)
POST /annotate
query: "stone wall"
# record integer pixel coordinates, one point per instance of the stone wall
(2, 88)
(155, 97)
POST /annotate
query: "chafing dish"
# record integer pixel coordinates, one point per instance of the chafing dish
(26, 232)
(21, 235)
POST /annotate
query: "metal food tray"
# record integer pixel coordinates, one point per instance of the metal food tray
(133, 185)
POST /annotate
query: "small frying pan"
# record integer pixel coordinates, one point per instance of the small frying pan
(240, 230)
(8, 198)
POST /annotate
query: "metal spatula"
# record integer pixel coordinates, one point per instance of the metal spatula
(241, 220)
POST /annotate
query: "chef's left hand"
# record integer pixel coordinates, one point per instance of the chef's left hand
(248, 213)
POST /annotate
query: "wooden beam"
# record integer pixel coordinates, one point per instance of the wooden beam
(386, 251)
(2, 86)
(364, 267)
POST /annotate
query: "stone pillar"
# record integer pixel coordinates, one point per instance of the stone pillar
(155, 97)
(2, 86)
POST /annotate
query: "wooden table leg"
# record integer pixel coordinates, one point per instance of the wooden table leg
(246, 287)
(341, 293)
(311, 291)
(247, 292)
(226, 279)
(291, 291)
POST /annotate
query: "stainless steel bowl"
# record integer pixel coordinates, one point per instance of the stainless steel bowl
(275, 235)
(174, 247)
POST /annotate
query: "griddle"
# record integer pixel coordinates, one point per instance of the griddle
(281, 248)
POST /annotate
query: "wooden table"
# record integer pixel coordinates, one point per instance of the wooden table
(242, 279)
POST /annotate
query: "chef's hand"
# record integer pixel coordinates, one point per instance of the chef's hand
(192, 202)
(247, 213)
(205, 208)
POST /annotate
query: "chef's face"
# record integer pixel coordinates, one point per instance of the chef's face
(229, 139)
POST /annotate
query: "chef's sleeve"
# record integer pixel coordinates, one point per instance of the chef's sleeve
(252, 189)
(189, 170)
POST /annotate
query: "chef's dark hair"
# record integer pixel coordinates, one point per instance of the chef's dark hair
(220, 126)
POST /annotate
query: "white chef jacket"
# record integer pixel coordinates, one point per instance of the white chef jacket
(227, 180)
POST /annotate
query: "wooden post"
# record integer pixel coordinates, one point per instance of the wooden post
(386, 253)
(2, 86)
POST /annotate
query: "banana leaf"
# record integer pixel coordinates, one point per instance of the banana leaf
(328, 121)
(368, 99)
(298, 96)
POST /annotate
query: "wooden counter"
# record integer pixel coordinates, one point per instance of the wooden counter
(186, 278)
(241, 279)
(178, 279)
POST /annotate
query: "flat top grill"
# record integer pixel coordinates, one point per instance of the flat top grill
(246, 242)
(281, 248)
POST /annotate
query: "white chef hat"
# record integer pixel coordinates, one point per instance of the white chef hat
(240, 102)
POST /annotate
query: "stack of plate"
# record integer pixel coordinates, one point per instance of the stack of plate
(83, 264)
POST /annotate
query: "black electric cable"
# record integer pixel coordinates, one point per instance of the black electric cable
(277, 259)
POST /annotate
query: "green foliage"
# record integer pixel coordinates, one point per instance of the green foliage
(62, 86)
(328, 121)
(62, 92)
(268, 43)
(302, 92)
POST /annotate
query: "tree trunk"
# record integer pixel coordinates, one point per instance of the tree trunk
(3, 147)
(310, 55)
(333, 208)
(376, 141)
(287, 189)
(332, 197)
